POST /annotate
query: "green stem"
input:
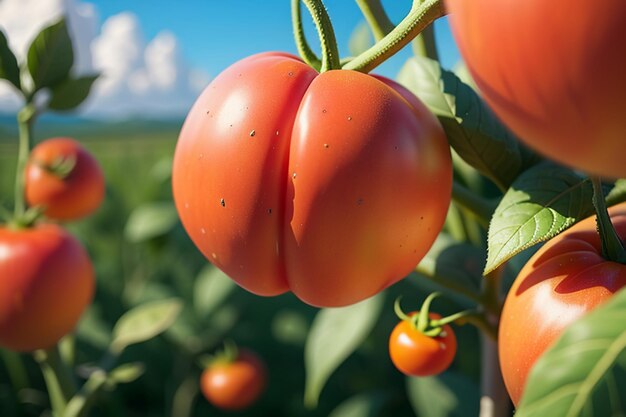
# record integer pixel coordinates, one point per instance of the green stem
(612, 246)
(376, 18)
(305, 51)
(423, 318)
(16, 369)
(398, 310)
(80, 403)
(491, 291)
(59, 380)
(424, 44)
(422, 14)
(330, 52)
(25, 121)
(481, 207)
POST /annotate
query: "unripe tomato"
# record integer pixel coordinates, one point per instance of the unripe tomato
(562, 282)
(64, 195)
(416, 354)
(234, 385)
(333, 185)
(46, 282)
(550, 70)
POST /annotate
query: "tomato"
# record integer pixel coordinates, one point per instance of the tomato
(64, 197)
(565, 279)
(332, 186)
(234, 385)
(46, 282)
(550, 71)
(416, 354)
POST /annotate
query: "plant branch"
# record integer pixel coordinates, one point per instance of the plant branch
(376, 17)
(25, 121)
(59, 380)
(305, 51)
(481, 207)
(330, 52)
(421, 15)
(612, 245)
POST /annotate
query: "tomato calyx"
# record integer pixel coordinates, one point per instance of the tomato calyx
(61, 167)
(24, 220)
(227, 355)
(425, 324)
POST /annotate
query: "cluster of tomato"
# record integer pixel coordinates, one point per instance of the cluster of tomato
(39, 258)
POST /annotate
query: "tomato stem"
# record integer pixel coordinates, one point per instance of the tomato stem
(422, 14)
(59, 380)
(612, 245)
(25, 121)
(481, 207)
(376, 17)
(326, 33)
(423, 318)
(305, 51)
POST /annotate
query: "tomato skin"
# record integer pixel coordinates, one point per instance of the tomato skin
(549, 70)
(234, 385)
(78, 194)
(415, 354)
(332, 186)
(562, 282)
(46, 282)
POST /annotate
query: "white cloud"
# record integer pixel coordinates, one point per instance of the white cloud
(137, 78)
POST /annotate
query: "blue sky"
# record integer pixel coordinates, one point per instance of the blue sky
(213, 34)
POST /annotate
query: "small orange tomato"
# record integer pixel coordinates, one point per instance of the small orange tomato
(416, 354)
(64, 178)
(236, 384)
(46, 282)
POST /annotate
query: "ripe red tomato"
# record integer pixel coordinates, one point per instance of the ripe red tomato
(46, 282)
(69, 197)
(332, 185)
(234, 385)
(416, 354)
(565, 279)
(550, 71)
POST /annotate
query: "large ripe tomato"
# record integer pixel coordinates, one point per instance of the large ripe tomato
(565, 279)
(333, 186)
(46, 282)
(552, 71)
(234, 385)
(417, 354)
(65, 196)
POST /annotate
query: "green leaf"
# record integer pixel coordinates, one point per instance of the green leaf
(445, 395)
(472, 129)
(144, 322)
(150, 220)
(9, 70)
(335, 334)
(211, 288)
(584, 373)
(71, 92)
(126, 373)
(360, 40)
(50, 56)
(541, 203)
(368, 404)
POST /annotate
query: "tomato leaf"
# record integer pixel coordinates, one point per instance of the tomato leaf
(71, 92)
(144, 322)
(150, 220)
(584, 372)
(9, 70)
(50, 56)
(472, 129)
(360, 40)
(335, 334)
(211, 288)
(126, 373)
(541, 203)
(445, 395)
(367, 404)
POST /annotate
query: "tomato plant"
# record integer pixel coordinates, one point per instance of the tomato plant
(418, 354)
(234, 384)
(63, 178)
(565, 279)
(555, 79)
(331, 185)
(48, 281)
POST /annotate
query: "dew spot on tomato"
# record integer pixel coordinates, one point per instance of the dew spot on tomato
(359, 202)
(443, 333)
(290, 73)
(269, 211)
(442, 346)
(203, 230)
(214, 255)
(252, 132)
(294, 175)
(223, 202)
(349, 118)
(323, 110)
(277, 133)
(186, 205)
(326, 145)
(395, 147)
